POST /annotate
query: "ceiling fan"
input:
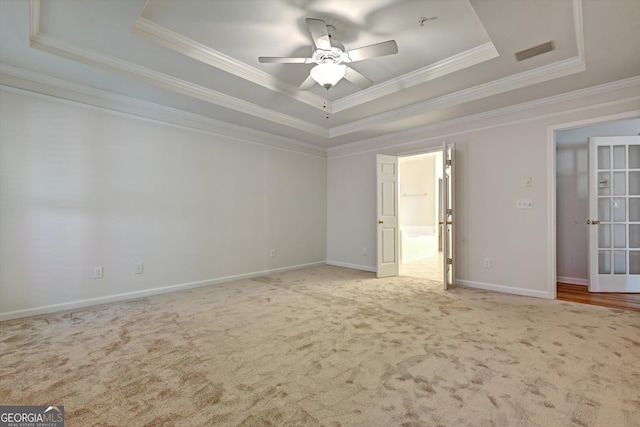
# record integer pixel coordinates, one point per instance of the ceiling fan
(331, 58)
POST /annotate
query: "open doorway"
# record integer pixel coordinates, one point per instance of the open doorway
(572, 208)
(419, 215)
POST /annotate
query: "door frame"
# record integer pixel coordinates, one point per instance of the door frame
(552, 276)
(432, 149)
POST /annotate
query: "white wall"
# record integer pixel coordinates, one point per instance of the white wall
(417, 191)
(494, 154)
(351, 212)
(572, 180)
(83, 187)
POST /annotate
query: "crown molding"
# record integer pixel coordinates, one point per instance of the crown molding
(182, 44)
(12, 78)
(552, 71)
(578, 27)
(34, 18)
(414, 135)
(200, 52)
(188, 47)
(449, 65)
(49, 44)
(496, 87)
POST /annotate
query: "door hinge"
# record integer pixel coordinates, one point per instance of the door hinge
(450, 261)
(449, 163)
(449, 212)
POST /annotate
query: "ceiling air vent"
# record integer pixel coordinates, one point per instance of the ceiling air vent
(534, 51)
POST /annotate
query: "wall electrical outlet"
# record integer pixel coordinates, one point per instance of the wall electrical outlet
(139, 268)
(272, 253)
(364, 251)
(97, 272)
(487, 263)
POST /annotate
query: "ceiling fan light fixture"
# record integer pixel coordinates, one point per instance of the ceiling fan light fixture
(332, 57)
(328, 74)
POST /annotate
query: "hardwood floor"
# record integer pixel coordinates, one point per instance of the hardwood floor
(581, 294)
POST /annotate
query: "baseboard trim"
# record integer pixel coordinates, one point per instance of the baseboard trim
(351, 266)
(503, 289)
(144, 293)
(573, 280)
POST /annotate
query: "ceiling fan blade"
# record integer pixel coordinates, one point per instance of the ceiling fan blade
(307, 84)
(318, 30)
(281, 60)
(372, 51)
(357, 79)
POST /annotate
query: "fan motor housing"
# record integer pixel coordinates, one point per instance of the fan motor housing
(333, 56)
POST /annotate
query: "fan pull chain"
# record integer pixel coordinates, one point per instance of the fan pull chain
(324, 104)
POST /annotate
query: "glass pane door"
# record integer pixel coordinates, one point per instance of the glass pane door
(614, 196)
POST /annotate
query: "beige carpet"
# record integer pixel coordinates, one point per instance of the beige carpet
(328, 346)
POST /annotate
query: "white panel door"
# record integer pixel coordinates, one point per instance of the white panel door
(387, 195)
(614, 214)
(447, 224)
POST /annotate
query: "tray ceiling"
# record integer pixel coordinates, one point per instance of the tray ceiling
(200, 57)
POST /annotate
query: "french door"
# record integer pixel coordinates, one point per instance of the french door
(446, 206)
(614, 214)
(388, 263)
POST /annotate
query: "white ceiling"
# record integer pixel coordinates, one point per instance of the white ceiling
(200, 57)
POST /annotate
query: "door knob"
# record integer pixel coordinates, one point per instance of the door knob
(380, 221)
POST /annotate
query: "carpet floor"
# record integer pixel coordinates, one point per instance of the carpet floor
(328, 346)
